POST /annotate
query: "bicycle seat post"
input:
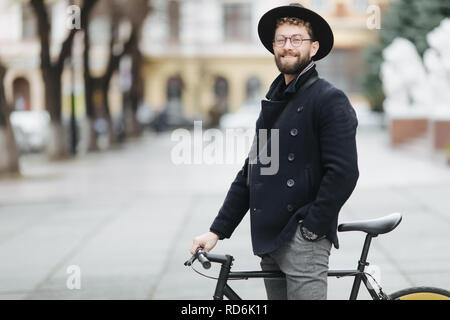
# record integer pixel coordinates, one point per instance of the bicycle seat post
(362, 263)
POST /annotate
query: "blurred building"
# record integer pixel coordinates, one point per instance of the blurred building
(208, 51)
(20, 52)
(199, 54)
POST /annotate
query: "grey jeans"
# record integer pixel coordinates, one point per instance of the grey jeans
(305, 264)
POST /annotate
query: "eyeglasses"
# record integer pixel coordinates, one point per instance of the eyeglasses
(296, 40)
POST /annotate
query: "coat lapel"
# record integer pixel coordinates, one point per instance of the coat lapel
(269, 110)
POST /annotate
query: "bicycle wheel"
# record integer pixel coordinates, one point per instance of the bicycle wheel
(421, 293)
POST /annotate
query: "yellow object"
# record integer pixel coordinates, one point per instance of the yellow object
(424, 296)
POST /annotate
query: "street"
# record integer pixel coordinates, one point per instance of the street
(125, 218)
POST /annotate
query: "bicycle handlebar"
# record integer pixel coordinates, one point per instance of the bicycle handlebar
(199, 255)
(206, 258)
(203, 259)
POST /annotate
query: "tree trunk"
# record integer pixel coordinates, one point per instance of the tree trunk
(58, 147)
(52, 73)
(132, 126)
(113, 139)
(136, 13)
(102, 84)
(89, 89)
(89, 85)
(136, 93)
(9, 156)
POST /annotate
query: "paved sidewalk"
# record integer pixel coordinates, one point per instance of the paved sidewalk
(126, 217)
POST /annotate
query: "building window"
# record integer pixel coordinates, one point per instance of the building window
(21, 92)
(237, 21)
(221, 104)
(175, 88)
(174, 20)
(29, 23)
(253, 90)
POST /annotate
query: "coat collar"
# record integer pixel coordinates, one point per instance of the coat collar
(279, 94)
(279, 91)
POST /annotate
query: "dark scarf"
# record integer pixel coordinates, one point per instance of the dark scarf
(280, 93)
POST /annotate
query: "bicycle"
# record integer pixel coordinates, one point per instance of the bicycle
(373, 228)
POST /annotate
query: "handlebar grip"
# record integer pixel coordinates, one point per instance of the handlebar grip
(204, 261)
(201, 256)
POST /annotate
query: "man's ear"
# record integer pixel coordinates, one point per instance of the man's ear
(314, 48)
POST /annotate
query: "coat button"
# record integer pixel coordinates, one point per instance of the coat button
(290, 183)
(294, 132)
(291, 157)
(300, 109)
(290, 207)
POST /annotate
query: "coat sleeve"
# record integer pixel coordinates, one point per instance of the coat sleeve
(235, 206)
(337, 138)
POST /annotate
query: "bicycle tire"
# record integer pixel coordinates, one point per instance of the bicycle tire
(421, 293)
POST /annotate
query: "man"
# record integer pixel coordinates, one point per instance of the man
(294, 212)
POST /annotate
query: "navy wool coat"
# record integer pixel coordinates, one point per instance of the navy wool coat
(318, 169)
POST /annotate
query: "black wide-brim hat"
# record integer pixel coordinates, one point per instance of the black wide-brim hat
(321, 29)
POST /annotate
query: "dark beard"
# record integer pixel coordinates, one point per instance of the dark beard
(295, 68)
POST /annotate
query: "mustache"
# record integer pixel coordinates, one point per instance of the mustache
(289, 53)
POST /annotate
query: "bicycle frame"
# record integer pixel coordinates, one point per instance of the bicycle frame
(223, 289)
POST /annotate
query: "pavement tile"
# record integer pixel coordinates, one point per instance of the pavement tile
(127, 217)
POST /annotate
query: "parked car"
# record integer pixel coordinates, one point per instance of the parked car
(145, 115)
(31, 130)
(244, 118)
(171, 117)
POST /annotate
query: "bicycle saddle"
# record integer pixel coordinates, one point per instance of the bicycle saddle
(373, 227)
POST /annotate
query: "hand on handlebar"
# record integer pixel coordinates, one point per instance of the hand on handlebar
(207, 241)
(206, 258)
(199, 255)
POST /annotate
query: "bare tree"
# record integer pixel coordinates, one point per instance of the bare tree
(136, 93)
(137, 15)
(9, 157)
(52, 72)
(118, 11)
